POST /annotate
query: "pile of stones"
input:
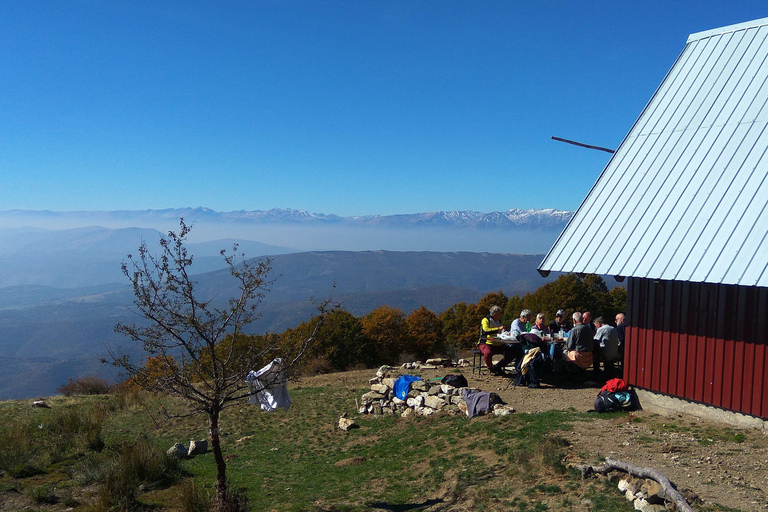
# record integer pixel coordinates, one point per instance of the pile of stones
(424, 398)
(647, 495)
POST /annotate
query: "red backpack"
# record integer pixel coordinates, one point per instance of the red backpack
(614, 385)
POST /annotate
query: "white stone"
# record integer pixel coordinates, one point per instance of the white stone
(197, 447)
(434, 402)
(415, 402)
(623, 485)
(503, 410)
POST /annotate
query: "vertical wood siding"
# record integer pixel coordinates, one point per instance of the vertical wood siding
(699, 341)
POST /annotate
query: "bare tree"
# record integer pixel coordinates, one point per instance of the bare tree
(198, 346)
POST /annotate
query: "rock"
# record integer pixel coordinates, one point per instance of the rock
(197, 447)
(406, 413)
(40, 403)
(503, 410)
(434, 402)
(429, 367)
(642, 505)
(373, 395)
(653, 492)
(444, 362)
(383, 371)
(419, 385)
(389, 382)
(347, 423)
(416, 401)
(380, 388)
(435, 390)
(177, 450)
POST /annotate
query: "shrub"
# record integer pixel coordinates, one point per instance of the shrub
(139, 464)
(191, 497)
(88, 385)
(19, 453)
(44, 494)
(76, 429)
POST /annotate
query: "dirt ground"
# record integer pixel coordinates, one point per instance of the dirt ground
(721, 464)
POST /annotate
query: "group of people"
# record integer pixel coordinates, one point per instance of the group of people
(586, 343)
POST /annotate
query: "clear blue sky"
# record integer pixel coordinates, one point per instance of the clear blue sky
(346, 107)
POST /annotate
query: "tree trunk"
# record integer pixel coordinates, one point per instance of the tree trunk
(221, 466)
(610, 464)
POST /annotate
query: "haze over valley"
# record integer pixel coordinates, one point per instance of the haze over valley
(62, 290)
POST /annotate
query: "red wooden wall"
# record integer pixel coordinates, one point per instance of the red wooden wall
(699, 341)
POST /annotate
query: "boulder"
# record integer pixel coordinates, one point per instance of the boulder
(177, 450)
(380, 388)
(197, 447)
(434, 402)
(346, 424)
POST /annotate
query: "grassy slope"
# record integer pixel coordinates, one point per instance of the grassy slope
(298, 460)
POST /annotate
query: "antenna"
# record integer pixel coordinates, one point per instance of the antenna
(583, 145)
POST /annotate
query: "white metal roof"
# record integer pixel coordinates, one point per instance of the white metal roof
(685, 196)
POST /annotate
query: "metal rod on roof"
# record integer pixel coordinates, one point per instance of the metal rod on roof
(583, 145)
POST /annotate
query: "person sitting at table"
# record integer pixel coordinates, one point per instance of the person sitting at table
(578, 348)
(606, 346)
(560, 323)
(518, 326)
(621, 325)
(540, 327)
(489, 346)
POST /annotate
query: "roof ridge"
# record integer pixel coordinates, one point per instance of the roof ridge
(730, 28)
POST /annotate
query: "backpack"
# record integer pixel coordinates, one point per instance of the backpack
(611, 401)
(535, 369)
(614, 385)
(457, 381)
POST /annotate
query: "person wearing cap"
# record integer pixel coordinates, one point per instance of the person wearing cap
(489, 346)
(560, 322)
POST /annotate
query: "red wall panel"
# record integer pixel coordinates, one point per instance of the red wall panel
(699, 341)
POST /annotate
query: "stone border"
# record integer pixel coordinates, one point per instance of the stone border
(668, 405)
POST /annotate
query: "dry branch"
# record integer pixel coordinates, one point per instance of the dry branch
(669, 488)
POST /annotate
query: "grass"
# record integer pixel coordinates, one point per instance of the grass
(94, 453)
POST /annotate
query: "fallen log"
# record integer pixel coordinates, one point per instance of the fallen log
(609, 465)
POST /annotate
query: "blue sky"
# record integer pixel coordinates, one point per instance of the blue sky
(352, 108)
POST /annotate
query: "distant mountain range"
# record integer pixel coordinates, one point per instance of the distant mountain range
(514, 231)
(510, 218)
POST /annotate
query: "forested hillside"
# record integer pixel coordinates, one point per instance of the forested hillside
(46, 340)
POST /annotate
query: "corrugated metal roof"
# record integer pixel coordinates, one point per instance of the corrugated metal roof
(685, 196)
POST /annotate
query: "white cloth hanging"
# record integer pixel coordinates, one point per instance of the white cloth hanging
(269, 386)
